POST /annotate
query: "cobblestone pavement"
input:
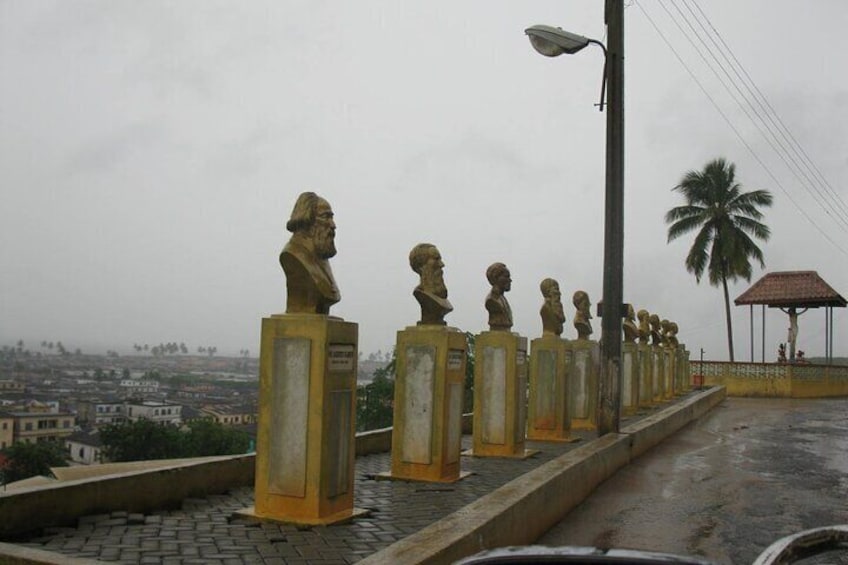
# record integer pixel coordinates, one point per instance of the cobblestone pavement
(203, 532)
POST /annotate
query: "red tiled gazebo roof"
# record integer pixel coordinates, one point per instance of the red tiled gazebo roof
(799, 289)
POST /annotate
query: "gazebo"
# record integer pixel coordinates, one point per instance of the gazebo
(792, 291)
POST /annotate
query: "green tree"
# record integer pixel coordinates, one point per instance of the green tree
(725, 219)
(375, 401)
(468, 403)
(207, 437)
(142, 440)
(26, 460)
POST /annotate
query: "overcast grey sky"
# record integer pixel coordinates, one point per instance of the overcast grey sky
(150, 153)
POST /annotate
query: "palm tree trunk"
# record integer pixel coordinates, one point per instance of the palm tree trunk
(727, 314)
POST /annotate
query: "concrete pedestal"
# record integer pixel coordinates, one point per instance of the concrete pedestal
(305, 434)
(583, 381)
(549, 419)
(646, 379)
(500, 395)
(658, 371)
(670, 361)
(629, 378)
(682, 367)
(429, 386)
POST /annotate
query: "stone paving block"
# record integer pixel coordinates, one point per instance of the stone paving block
(113, 522)
(93, 518)
(149, 544)
(189, 550)
(130, 555)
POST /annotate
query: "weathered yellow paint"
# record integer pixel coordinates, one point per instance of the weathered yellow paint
(317, 505)
(450, 349)
(775, 380)
(591, 391)
(554, 426)
(515, 396)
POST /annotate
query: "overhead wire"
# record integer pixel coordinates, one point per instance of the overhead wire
(773, 115)
(787, 155)
(741, 138)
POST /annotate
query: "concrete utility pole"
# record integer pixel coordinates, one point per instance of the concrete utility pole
(609, 383)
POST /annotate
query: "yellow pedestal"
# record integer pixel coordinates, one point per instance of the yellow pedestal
(658, 370)
(683, 374)
(500, 395)
(583, 382)
(307, 407)
(629, 378)
(429, 387)
(646, 378)
(549, 419)
(670, 355)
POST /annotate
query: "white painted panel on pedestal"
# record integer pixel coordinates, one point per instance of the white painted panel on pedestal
(544, 403)
(580, 396)
(289, 410)
(521, 410)
(417, 440)
(493, 410)
(627, 378)
(338, 444)
(454, 446)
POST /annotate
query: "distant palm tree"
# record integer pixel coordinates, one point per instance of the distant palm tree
(725, 218)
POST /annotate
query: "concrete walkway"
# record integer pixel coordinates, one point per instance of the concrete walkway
(726, 487)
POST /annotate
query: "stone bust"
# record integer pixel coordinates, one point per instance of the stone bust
(582, 315)
(628, 327)
(431, 292)
(500, 314)
(553, 316)
(671, 336)
(310, 286)
(656, 330)
(664, 332)
(644, 326)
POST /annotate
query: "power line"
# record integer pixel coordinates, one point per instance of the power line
(791, 152)
(735, 130)
(785, 131)
(770, 139)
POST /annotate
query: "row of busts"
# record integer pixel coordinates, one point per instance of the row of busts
(311, 287)
(432, 295)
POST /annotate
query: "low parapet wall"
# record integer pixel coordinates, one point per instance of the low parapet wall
(519, 512)
(140, 486)
(774, 380)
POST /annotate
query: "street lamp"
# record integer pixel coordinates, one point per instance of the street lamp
(552, 41)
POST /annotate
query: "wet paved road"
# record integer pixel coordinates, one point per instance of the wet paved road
(725, 487)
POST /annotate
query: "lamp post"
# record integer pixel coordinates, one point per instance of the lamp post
(551, 41)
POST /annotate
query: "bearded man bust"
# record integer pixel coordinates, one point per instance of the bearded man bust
(310, 286)
(431, 292)
(553, 316)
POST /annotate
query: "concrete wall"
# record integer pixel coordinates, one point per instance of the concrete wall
(519, 512)
(773, 380)
(63, 502)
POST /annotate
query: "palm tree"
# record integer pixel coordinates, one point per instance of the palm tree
(725, 219)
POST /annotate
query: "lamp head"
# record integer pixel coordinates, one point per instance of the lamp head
(553, 41)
